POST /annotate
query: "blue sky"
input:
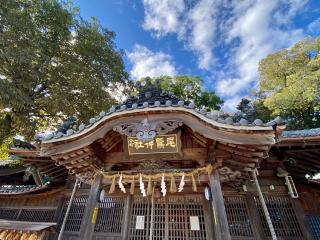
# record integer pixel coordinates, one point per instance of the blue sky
(222, 41)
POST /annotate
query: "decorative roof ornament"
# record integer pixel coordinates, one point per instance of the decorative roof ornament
(69, 123)
(146, 131)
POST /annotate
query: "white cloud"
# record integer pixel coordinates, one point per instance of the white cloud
(314, 27)
(231, 103)
(148, 63)
(247, 31)
(201, 21)
(259, 33)
(162, 17)
(194, 26)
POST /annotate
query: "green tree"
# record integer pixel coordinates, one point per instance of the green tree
(4, 148)
(252, 110)
(190, 88)
(53, 64)
(290, 82)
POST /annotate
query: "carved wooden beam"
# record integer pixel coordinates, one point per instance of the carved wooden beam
(48, 169)
(65, 160)
(240, 164)
(54, 171)
(304, 158)
(36, 160)
(187, 154)
(240, 152)
(197, 137)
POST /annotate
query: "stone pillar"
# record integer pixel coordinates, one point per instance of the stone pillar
(221, 227)
(91, 211)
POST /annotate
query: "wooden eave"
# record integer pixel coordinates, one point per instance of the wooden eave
(45, 165)
(30, 191)
(113, 157)
(240, 149)
(24, 152)
(298, 141)
(239, 135)
(10, 171)
(305, 151)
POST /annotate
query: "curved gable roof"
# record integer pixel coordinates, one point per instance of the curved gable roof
(155, 105)
(201, 123)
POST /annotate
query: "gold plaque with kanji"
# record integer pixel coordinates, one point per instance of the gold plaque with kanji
(160, 144)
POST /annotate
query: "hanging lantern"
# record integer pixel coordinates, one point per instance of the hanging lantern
(207, 193)
(100, 195)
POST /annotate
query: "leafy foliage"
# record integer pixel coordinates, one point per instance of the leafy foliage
(4, 148)
(289, 87)
(252, 110)
(290, 80)
(190, 88)
(53, 64)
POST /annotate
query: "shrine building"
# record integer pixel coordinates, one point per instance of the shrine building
(155, 167)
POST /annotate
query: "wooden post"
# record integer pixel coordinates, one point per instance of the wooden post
(220, 223)
(91, 211)
(126, 222)
(37, 177)
(301, 217)
(60, 205)
(254, 217)
(208, 217)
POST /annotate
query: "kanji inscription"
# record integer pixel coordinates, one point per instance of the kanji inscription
(160, 144)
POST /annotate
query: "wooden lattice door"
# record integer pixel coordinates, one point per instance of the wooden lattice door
(169, 218)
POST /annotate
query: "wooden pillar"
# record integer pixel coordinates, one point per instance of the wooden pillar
(254, 217)
(301, 217)
(127, 215)
(221, 226)
(208, 218)
(37, 177)
(91, 211)
(59, 210)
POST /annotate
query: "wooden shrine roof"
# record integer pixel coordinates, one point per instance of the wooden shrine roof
(155, 103)
(235, 161)
(235, 148)
(303, 138)
(21, 189)
(299, 152)
(30, 156)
